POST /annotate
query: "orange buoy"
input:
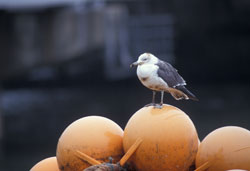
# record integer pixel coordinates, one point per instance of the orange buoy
(170, 140)
(88, 141)
(48, 164)
(224, 149)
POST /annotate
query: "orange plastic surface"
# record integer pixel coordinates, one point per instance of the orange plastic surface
(224, 149)
(95, 136)
(170, 140)
(48, 164)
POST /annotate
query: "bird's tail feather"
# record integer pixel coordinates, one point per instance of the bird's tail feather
(187, 92)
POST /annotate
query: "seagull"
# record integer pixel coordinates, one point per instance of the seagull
(161, 76)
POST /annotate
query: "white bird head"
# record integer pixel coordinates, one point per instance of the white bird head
(145, 58)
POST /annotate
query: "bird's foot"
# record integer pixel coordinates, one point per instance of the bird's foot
(158, 106)
(155, 105)
(150, 104)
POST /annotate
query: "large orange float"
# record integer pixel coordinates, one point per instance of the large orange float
(48, 164)
(169, 139)
(224, 149)
(95, 136)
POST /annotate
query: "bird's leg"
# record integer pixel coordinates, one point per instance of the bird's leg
(153, 100)
(161, 103)
(162, 95)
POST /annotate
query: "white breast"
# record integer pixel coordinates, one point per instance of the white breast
(146, 70)
(147, 74)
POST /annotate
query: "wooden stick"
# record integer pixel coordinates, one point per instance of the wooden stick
(87, 158)
(205, 166)
(244, 148)
(130, 151)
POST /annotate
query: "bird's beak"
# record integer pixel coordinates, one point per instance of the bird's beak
(134, 64)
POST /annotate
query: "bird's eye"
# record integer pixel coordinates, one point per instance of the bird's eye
(144, 59)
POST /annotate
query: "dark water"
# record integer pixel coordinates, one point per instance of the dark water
(34, 118)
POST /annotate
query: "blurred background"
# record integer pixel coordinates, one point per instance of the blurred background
(65, 59)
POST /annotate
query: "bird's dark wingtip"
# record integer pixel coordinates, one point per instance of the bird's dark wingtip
(194, 98)
(187, 93)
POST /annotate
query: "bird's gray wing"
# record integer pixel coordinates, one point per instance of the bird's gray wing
(169, 74)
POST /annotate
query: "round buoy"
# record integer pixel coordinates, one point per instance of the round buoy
(224, 149)
(48, 164)
(94, 136)
(169, 139)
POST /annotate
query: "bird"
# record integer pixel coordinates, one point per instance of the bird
(161, 76)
